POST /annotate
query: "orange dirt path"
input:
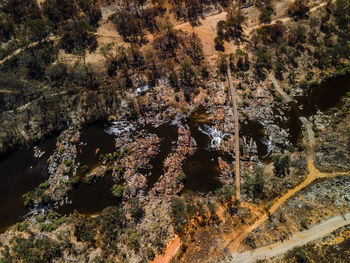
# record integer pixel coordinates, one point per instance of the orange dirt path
(170, 251)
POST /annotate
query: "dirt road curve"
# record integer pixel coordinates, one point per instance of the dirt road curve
(170, 251)
(298, 239)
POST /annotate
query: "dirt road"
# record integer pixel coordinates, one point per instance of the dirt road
(33, 44)
(313, 174)
(298, 239)
(170, 251)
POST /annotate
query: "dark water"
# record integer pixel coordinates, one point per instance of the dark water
(202, 169)
(255, 130)
(322, 97)
(168, 135)
(21, 172)
(94, 137)
(92, 198)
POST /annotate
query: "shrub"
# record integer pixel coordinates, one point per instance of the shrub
(21, 226)
(225, 193)
(73, 181)
(178, 215)
(136, 210)
(281, 165)
(117, 190)
(182, 177)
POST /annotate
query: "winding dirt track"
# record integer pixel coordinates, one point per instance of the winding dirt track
(206, 31)
(33, 44)
(298, 239)
(313, 174)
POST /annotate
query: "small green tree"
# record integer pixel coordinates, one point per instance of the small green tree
(117, 190)
(298, 9)
(281, 165)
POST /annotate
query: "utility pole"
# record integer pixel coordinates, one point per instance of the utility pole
(236, 130)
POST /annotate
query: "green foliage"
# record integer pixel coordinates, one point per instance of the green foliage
(117, 190)
(182, 177)
(68, 163)
(255, 184)
(232, 27)
(84, 227)
(29, 250)
(84, 169)
(342, 13)
(52, 225)
(111, 222)
(263, 59)
(298, 9)
(136, 209)
(225, 193)
(73, 181)
(299, 254)
(21, 226)
(265, 15)
(309, 76)
(91, 178)
(133, 240)
(281, 165)
(178, 215)
(44, 185)
(37, 195)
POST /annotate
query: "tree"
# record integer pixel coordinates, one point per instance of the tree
(258, 181)
(136, 210)
(266, 10)
(263, 60)
(342, 13)
(168, 40)
(281, 165)
(234, 22)
(21, 10)
(59, 11)
(117, 190)
(298, 9)
(129, 26)
(77, 38)
(271, 34)
(84, 228)
(265, 15)
(7, 28)
(178, 215)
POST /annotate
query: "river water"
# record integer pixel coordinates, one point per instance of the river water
(22, 172)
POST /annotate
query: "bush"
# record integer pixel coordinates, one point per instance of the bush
(73, 181)
(298, 9)
(182, 177)
(84, 227)
(225, 193)
(281, 165)
(178, 215)
(136, 210)
(133, 240)
(37, 195)
(117, 190)
(21, 226)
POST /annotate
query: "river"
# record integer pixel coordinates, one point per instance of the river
(21, 171)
